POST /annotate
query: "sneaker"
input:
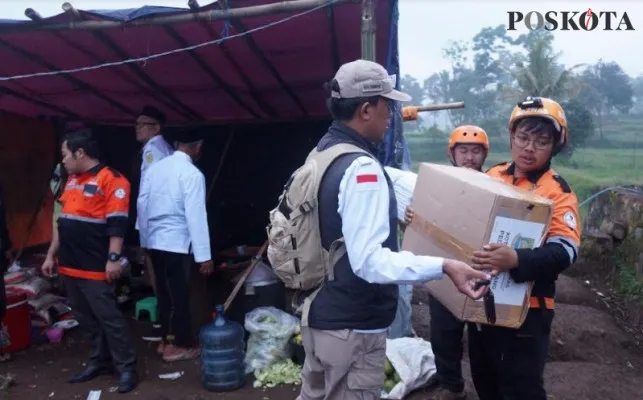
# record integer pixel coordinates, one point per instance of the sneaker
(153, 334)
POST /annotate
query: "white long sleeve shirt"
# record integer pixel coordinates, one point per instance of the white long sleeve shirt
(364, 209)
(171, 206)
(403, 186)
(154, 151)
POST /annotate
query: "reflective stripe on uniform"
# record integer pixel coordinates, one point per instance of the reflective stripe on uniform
(568, 244)
(82, 274)
(117, 214)
(72, 186)
(534, 302)
(83, 219)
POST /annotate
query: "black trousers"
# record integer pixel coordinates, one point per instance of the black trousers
(172, 273)
(446, 341)
(95, 308)
(508, 364)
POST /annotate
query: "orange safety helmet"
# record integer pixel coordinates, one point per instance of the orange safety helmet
(469, 134)
(544, 108)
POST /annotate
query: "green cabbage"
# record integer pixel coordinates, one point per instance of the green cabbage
(281, 372)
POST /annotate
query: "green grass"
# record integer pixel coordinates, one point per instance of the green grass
(629, 284)
(625, 258)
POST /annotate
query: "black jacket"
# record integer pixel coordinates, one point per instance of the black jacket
(349, 302)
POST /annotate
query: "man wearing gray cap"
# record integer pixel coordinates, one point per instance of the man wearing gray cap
(345, 334)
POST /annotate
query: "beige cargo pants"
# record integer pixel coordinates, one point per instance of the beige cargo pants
(342, 365)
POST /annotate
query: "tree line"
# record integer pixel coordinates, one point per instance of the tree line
(504, 70)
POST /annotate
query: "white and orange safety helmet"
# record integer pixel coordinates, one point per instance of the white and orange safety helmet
(544, 108)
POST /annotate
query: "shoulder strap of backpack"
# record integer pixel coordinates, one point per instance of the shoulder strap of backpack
(335, 253)
(325, 159)
(337, 249)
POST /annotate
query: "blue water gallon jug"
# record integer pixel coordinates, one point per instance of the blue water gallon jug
(222, 354)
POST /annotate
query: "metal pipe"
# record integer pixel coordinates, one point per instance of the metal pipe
(368, 30)
(206, 15)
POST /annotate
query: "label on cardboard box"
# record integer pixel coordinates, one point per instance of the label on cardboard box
(518, 234)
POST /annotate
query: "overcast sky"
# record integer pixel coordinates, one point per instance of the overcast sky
(427, 26)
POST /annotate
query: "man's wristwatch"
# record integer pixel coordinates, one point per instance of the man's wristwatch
(113, 257)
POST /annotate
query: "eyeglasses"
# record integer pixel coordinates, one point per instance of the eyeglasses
(523, 141)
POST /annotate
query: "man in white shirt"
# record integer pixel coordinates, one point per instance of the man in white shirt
(174, 223)
(345, 340)
(149, 125)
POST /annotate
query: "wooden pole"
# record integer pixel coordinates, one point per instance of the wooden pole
(206, 15)
(33, 14)
(438, 107)
(368, 30)
(193, 4)
(245, 276)
(220, 166)
(199, 291)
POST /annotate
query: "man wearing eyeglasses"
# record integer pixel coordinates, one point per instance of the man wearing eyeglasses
(149, 125)
(509, 363)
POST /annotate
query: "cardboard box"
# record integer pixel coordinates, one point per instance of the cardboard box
(458, 211)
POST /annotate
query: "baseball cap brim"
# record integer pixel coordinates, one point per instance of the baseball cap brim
(397, 95)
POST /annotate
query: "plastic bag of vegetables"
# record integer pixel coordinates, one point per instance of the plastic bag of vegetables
(270, 330)
(409, 365)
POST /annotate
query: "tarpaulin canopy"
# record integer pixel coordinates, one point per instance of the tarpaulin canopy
(275, 73)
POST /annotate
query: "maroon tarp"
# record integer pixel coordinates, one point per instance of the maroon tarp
(280, 78)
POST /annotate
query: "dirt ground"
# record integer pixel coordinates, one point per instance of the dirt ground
(591, 358)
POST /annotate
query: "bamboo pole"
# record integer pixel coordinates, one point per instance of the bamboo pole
(368, 30)
(438, 107)
(206, 15)
(433, 107)
(245, 275)
(220, 166)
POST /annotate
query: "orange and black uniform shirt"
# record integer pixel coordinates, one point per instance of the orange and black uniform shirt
(560, 248)
(95, 208)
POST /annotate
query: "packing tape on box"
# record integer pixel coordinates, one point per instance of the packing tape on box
(442, 239)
